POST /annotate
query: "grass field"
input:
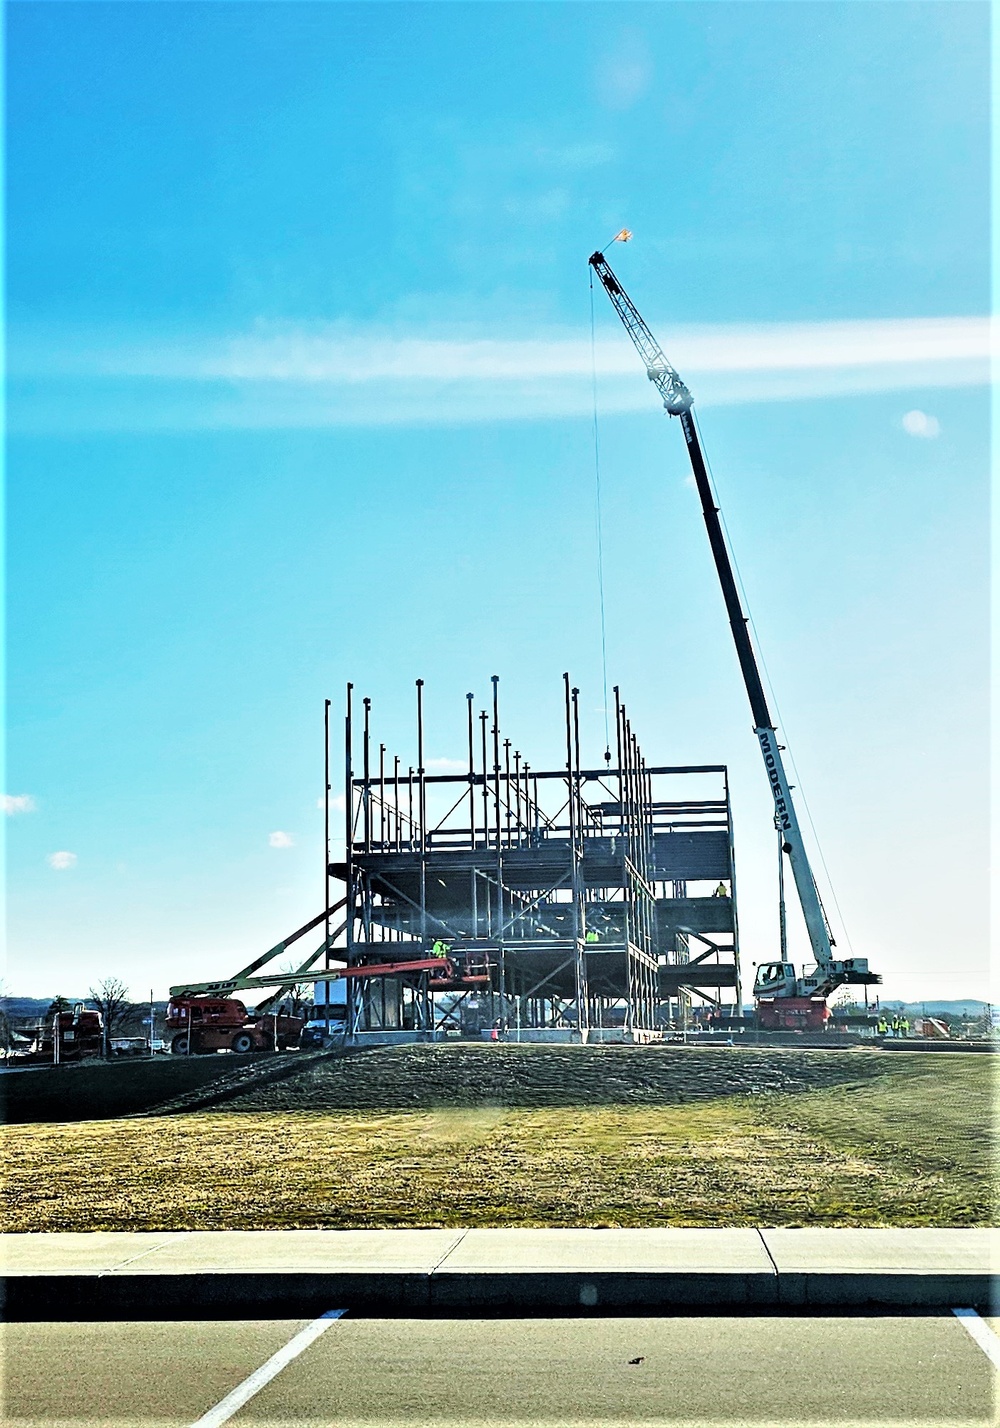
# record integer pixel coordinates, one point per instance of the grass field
(906, 1143)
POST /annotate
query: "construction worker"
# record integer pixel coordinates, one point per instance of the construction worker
(904, 1026)
(882, 1026)
(440, 949)
(721, 891)
(591, 937)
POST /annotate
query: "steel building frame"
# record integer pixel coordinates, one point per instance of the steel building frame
(559, 896)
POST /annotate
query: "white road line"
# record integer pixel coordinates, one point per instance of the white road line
(233, 1402)
(981, 1332)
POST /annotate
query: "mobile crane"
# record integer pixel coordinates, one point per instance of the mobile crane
(784, 1000)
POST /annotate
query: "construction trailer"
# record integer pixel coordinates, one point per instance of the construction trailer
(581, 902)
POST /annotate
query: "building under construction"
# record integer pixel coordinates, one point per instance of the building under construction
(579, 902)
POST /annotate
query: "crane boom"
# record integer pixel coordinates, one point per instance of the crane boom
(678, 402)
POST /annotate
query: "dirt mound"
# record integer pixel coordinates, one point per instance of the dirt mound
(99, 1090)
(238, 1079)
(418, 1077)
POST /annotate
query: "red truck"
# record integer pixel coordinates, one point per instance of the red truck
(81, 1034)
(793, 1013)
(197, 1024)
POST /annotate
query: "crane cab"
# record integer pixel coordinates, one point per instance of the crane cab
(775, 979)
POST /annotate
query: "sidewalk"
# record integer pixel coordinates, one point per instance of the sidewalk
(293, 1273)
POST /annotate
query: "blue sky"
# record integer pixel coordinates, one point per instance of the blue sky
(300, 392)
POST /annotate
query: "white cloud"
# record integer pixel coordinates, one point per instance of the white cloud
(278, 839)
(14, 803)
(316, 376)
(62, 860)
(447, 765)
(918, 423)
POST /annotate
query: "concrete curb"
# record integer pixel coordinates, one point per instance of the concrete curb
(282, 1274)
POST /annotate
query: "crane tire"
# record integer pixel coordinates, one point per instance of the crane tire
(243, 1043)
(179, 1045)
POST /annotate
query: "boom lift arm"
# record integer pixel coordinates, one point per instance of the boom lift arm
(678, 401)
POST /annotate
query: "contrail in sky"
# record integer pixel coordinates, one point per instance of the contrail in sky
(288, 376)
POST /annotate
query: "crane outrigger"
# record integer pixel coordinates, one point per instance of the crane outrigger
(784, 1000)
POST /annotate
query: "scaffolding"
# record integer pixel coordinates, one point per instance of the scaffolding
(572, 903)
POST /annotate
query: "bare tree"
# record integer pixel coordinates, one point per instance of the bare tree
(297, 995)
(110, 997)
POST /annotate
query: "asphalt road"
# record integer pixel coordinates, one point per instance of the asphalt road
(798, 1372)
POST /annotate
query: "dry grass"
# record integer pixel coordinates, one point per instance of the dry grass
(912, 1147)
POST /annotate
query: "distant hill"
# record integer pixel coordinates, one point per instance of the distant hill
(20, 1008)
(25, 1008)
(969, 1007)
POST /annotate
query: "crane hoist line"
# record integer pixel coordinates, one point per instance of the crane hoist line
(783, 998)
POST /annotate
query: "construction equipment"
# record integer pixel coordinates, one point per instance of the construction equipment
(197, 1024)
(932, 1027)
(782, 998)
(67, 1036)
(205, 1017)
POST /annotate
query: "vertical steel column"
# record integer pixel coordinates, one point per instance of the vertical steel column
(630, 907)
(738, 1009)
(579, 964)
(488, 930)
(517, 794)
(576, 757)
(349, 858)
(364, 987)
(474, 876)
(483, 716)
(366, 762)
(422, 799)
(326, 862)
(495, 680)
(578, 797)
(506, 787)
(569, 774)
(397, 821)
(472, 778)
(621, 776)
(381, 797)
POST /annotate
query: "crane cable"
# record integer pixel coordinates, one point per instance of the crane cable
(599, 523)
(774, 697)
